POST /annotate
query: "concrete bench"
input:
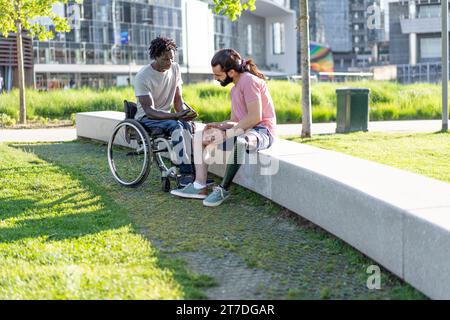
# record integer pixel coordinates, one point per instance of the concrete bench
(97, 125)
(399, 219)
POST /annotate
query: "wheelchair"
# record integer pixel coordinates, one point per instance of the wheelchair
(134, 148)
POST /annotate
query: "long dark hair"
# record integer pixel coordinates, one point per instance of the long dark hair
(230, 59)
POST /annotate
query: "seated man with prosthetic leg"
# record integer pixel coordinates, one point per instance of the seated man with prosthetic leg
(251, 126)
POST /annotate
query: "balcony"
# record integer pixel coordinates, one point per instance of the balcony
(360, 32)
(271, 8)
(282, 3)
(360, 19)
(420, 24)
(358, 7)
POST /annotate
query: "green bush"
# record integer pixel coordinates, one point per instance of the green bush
(6, 120)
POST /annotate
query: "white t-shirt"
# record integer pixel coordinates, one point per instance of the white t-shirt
(160, 86)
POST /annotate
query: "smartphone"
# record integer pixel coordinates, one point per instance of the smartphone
(190, 108)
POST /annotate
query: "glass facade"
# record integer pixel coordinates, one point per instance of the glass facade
(343, 26)
(112, 32)
(278, 38)
(246, 35)
(430, 49)
(108, 33)
(226, 33)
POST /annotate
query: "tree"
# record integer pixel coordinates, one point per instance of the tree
(233, 9)
(306, 69)
(20, 16)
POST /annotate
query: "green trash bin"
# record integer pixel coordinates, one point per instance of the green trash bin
(352, 109)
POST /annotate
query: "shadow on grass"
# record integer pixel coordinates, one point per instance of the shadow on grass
(11, 208)
(61, 227)
(83, 215)
(16, 208)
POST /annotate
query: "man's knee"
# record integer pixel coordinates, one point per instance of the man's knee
(187, 125)
(181, 134)
(251, 142)
(173, 125)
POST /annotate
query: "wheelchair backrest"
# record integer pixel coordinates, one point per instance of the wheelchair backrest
(130, 109)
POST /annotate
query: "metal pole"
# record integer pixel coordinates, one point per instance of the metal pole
(21, 74)
(444, 65)
(129, 73)
(306, 69)
(187, 44)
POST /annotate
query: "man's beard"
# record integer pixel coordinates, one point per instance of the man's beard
(226, 82)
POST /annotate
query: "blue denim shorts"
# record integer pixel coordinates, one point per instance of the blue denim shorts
(263, 136)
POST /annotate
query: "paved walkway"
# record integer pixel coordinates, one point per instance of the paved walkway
(68, 134)
(35, 135)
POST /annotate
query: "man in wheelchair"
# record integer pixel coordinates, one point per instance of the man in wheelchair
(157, 86)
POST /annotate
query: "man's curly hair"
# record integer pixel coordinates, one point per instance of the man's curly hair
(160, 45)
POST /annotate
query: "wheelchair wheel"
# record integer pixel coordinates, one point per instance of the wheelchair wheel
(129, 153)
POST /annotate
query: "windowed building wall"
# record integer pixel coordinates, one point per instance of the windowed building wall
(415, 34)
(110, 32)
(109, 39)
(342, 26)
(244, 35)
(267, 35)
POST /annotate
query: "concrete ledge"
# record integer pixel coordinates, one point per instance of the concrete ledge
(97, 125)
(399, 219)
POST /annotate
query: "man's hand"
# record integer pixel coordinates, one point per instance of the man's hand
(213, 136)
(181, 115)
(187, 115)
(225, 125)
(215, 125)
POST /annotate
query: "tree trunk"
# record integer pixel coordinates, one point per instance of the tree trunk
(23, 110)
(306, 67)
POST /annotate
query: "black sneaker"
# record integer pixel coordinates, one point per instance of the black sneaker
(185, 179)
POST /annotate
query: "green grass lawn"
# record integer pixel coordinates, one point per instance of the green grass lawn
(427, 153)
(68, 231)
(388, 101)
(62, 237)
